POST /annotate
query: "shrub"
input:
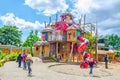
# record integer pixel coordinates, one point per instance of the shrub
(2, 61)
(13, 56)
(1, 64)
(2, 55)
(53, 58)
(118, 54)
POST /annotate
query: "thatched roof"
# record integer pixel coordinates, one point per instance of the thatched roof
(48, 29)
(102, 52)
(39, 43)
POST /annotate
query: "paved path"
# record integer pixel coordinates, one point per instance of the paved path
(10, 71)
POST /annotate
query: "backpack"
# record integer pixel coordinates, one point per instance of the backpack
(106, 58)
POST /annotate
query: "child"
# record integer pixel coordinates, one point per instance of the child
(19, 59)
(91, 63)
(29, 61)
(24, 60)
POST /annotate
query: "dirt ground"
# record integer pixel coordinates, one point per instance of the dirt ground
(44, 71)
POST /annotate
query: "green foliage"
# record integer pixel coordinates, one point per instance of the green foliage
(53, 58)
(2, 55)
(90, 37)
(113, 40)
(13, 56)
(10, 35)
(118, 54)
(1, 64)
(92, 40)
(31, 39)
(2, 58)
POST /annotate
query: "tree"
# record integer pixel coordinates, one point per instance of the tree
(113, 40)
(10, 35)
(92, 40)
(31, 39)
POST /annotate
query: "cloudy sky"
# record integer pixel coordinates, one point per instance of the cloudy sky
(31, 14)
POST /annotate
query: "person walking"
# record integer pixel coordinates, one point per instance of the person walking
(106, 59)
(91, 64)
(29, 61)
(19, 59)
(24, 60)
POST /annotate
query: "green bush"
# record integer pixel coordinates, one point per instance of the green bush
(53, 58)
(1, 64)
(2, 55)
(118, 54)
(13, 56)
(6, 58)
(2, 61)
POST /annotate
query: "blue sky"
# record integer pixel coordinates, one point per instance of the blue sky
(30, 14)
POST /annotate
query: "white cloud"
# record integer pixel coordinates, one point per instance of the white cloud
(110, 23)
(117, 15)
(109, 26)
(106, 4)
(106, 12)
(47, 7)
(10, 19)
(84, 6)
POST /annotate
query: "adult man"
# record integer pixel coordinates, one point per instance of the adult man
(106, 61)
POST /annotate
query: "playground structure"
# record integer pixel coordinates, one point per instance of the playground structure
(65, 41)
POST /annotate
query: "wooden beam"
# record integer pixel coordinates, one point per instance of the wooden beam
(96, 47)
(57, 49)
(71, 53)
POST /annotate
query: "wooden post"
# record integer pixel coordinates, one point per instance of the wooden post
(71, 53)
(56, 49)
(11, 49)
(78, 57)
(96, 50)
(84, 22)
(22, 49)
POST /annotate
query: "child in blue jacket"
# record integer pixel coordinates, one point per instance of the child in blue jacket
(19, 60)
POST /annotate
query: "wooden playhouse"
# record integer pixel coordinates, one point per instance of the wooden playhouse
(41, 48)
(62, 40)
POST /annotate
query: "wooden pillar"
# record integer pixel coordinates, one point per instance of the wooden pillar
(96, 46)
(10, 49)
(56, 49)
(22, 49)
(78, 57)
(71, 53)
